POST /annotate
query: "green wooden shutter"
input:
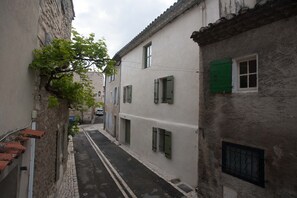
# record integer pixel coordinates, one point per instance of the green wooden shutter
(127, 131)
(156, 91)
(167, 148)
(221, 76)
(154, 143)
(124, 94)
(169, 89)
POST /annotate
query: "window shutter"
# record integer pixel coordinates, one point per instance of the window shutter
(129, 93)
(156, 91)
(154, 143)
(161, 140)
(168, 144)
(169, 89)
(221, 76)
(124, 94)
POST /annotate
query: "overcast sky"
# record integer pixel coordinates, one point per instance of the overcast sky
(118, 21)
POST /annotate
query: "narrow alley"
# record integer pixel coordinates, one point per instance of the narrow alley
(106, 170)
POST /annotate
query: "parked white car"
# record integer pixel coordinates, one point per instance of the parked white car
(99, 112)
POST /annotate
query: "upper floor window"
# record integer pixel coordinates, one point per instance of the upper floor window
(165, 88)
(247, 74)
(147, 55)
(127, 94)
(234, 75)
(115, 95)
(111, 78)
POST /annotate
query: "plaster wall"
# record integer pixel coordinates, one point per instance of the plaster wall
(18, 30)
(173, 53)
(111, 109)
(265, 119)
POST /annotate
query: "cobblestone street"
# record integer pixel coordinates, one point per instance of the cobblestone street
(69, 187)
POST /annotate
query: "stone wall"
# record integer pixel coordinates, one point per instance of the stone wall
(265, 119)
(55, 20)
(51, 151)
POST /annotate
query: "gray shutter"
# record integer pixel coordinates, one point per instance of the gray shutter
(124, 94)
(170, 89)
(154, 143)
(161, 140)
(156, 91)
(129, 93)
(168, 144)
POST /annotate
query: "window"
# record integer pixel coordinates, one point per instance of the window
(164, 141)
(239, 76)
(127, 94)
(165, 88)
(247, 74)
(244, 162)
(111, 78)
(115, 95)
(147, 55)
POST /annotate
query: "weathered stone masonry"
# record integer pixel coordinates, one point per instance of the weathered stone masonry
(51, 151)
(265, 119)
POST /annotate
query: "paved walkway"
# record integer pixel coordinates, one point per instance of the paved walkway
(69, 187)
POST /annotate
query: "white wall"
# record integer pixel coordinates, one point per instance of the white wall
(233, 6)
(18, 30)
(173, 53)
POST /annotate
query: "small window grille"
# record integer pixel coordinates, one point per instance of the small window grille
(244, 162)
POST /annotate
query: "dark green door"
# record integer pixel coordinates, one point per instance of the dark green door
(127, 131)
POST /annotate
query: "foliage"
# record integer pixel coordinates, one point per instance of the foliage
(59, 61)
(99, 104)
(52, 102)
(73, 127)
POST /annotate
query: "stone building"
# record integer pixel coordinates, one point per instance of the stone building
(248, 102)
(87, 115)
(36, 170)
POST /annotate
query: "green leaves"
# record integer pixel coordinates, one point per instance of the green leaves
(59, 61)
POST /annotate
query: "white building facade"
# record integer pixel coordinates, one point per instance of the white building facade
(159, 90)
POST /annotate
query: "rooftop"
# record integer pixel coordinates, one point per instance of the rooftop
(166, 17)
(264, 12)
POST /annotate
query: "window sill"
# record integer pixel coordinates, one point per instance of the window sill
(246, 91)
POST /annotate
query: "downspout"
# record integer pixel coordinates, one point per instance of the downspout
(32, 157)
(104, 114)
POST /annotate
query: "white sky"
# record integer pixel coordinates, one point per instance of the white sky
(118, 21)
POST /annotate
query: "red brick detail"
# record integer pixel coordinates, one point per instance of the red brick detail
(32, 133)
(15, 146)
(6, 157)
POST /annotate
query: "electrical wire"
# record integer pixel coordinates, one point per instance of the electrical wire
(14, 131)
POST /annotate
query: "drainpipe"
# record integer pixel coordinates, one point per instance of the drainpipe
(32, 157)
(104, 114)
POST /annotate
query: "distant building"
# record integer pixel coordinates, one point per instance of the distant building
(248, 102)
(112, 102)
(88, 114)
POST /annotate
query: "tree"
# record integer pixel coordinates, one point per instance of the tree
(58, 62)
